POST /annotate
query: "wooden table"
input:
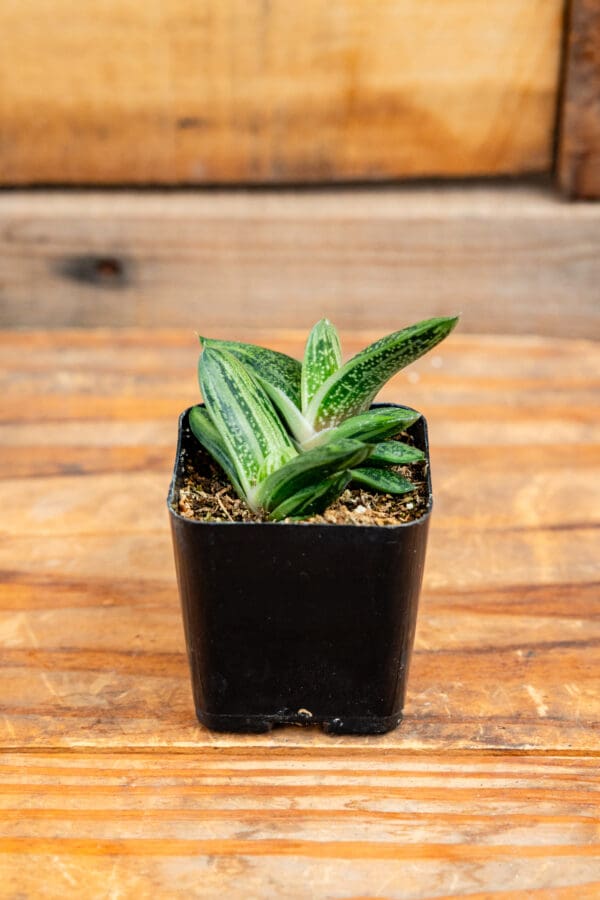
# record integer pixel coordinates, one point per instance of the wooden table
(109, 788)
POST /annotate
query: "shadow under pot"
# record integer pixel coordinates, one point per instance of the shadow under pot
(297, 622)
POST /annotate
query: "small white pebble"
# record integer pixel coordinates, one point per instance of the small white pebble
(410, 505)
(360, 508)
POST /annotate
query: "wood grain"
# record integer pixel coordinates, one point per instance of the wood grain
(108, 786)
(299, 824)
(511, 259)
(579, 145)
(114, 91)
(512, 567)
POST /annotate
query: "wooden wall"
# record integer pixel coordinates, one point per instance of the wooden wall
(510, 259)
(197, 91)
(579, 147)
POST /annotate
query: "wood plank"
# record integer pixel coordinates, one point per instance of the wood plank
(511, 259)
(229, 91)
(579, 145)
(108, 786)
(515, 557)
(290, 823)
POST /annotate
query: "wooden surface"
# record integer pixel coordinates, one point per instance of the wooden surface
(511, 259)
(292, 824)
(197, 91)
(108, 787)
(579, 146)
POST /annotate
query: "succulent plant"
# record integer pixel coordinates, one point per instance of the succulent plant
(290, 435)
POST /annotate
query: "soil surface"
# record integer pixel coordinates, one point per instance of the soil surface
(206, 494)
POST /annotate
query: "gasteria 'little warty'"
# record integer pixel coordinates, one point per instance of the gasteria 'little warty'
(292, 435)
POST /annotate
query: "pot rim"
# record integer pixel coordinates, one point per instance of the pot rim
(328, 527)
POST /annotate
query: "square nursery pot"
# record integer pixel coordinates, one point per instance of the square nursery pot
(297, 623)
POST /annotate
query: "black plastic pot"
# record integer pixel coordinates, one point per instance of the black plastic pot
(297, 623)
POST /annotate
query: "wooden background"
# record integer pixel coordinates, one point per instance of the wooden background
(93, 643)
(197, 91)
(511, 259)
(108, 786)
(579, 138)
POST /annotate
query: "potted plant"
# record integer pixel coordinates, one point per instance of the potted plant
(299, 512)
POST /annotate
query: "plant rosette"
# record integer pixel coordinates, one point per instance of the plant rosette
(289, 619)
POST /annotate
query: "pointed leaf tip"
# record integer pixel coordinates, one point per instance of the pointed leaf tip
(394, 453)
(382, 480)
(352, 389)
(322, 358)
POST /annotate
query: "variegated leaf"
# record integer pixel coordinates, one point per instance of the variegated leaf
(308, 469)
(371, 426)
(253, 434)
(279, 375)
(204, 431)
(382, 480)
(322, 357)
(281, 371)
(394, 453)
(312, 500)
(352, 389)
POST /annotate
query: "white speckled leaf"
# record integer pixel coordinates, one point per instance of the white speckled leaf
(314, 499)
(309, 469)
(277, 369)
(204, 431)
(382, 480)
(278, 374)
(254, 438)
(322, 357)
(352, 389)
(370, 427)
(394, 453)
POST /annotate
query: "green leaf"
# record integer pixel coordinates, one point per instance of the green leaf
(308, 469)
(205, 432)
(252, 432)
(295, 421)
(352, 389)
(370, 427)
(394, 453)
(312, 500)
(281, 371)
(382, 480)
(322, 357)
(279, 375)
